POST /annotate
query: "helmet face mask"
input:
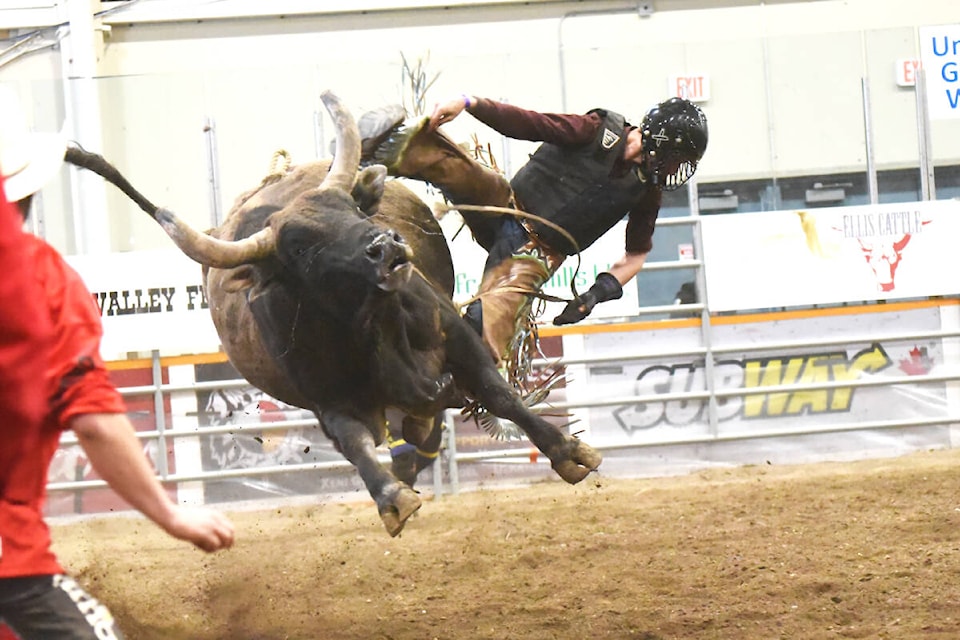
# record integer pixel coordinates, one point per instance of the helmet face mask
(674, 139)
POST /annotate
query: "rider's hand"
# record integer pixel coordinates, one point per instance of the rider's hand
(607, 287)
(447, 111)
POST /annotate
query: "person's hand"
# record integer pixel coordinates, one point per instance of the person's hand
(207, 529)
(577, 309)
(447, 111)
(607, 287)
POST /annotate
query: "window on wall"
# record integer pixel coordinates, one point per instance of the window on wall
(947, 181)
(670, 244)
(816, 191)
(740, 196)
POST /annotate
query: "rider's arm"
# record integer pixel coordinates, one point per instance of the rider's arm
(564, 129)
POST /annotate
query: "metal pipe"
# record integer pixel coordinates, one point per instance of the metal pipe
(771, 130)
(868, 137)
(647, 355)
(928, 189)
(706, 328)
(452, 452)
(213, 170)
(159, 414)
(524, 453)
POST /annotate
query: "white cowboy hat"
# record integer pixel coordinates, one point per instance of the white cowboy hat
(28, 159)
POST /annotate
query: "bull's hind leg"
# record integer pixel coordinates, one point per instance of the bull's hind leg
(396, 501)
(473, 369)
(570, 457)
(429, 449)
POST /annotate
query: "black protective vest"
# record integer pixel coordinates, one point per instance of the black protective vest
(573, 189)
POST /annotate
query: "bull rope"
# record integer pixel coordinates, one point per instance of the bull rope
(517, 213)
(279, 165)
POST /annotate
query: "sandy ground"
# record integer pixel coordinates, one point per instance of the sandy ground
(855, 550)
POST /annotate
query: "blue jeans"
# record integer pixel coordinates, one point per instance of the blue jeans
(510, 237)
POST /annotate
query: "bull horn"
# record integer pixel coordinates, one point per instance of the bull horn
(346, 155)
(214, 252)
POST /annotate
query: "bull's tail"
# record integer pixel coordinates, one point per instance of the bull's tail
(96, 163)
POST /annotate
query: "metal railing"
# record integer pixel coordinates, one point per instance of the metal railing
(164, 433)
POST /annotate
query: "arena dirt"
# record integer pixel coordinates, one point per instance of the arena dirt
(861, 550)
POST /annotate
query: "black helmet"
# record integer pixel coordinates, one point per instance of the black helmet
(674, 132)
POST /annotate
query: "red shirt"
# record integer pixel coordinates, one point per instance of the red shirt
(77, 384)
(24, 332)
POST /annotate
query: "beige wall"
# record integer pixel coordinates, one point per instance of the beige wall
(785, 84)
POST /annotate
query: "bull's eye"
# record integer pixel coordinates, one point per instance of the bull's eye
(375, 250)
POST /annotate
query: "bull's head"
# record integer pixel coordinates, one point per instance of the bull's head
(321, 232)
(339, 249)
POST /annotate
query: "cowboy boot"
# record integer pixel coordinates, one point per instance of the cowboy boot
(375, 126)
(411, 151)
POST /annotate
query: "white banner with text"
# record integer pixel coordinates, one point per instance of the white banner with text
(149, 300)
(774, 259)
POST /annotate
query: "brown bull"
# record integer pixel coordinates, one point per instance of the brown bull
(330, 290)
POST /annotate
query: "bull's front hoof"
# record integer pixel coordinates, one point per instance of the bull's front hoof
(581, 460)
(403, 505)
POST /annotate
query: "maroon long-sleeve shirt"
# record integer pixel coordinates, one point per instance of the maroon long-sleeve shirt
(572, 130)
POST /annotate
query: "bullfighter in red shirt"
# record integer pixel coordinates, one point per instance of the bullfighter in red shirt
(37, 599)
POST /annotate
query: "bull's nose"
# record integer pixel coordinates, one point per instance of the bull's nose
(389, 247)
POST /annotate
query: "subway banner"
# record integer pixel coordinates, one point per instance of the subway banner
(149, 300)
(741, 375)
(775, 259)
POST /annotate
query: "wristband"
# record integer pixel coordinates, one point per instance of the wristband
(466, 101)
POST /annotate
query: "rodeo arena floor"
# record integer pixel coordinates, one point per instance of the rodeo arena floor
(862, 549)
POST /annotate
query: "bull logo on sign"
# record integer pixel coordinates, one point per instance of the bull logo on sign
(884, 257)
(883, 253)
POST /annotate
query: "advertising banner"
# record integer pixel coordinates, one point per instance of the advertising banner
(763, 412)
(940, 57)
(774, 259)
(149, 300)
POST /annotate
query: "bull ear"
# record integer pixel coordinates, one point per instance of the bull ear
(238, 278)
(368, 190)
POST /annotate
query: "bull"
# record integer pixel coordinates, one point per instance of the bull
(330, 289)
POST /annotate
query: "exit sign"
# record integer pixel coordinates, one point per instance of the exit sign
(906, 71)
(695, 88)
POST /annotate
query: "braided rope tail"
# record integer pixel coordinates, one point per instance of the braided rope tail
(517, 213)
